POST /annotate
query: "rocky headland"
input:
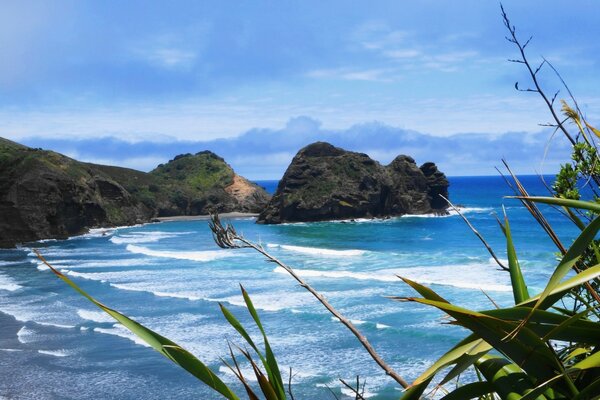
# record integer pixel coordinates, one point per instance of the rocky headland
(44, 194)
(324, 182)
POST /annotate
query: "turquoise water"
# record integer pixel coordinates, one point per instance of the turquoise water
(171, 276)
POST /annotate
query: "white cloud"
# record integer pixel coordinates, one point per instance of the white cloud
(402, 53)
(349, 74)
(407, 51)
(170, 57)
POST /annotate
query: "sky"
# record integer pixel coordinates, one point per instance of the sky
(136, 83)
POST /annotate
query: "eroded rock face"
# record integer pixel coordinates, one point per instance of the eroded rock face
(45, 195)
(324, 182)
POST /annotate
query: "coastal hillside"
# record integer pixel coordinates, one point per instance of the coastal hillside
(191, 184)
(324, 182)
(44, 194)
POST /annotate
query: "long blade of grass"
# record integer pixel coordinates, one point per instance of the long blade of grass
(559, 290)
(526, 349)
(559, 201)
(474, 390)
(265, 385)
(271, 362)
(509, 381)
(592, 361)
(165, 346)
(520, 292)
(574, 253)
(467, 360)
(450, 357)
(233, 321)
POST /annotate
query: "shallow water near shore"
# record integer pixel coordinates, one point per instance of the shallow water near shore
(171, 277)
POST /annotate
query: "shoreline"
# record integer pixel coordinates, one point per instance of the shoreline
(205, 217)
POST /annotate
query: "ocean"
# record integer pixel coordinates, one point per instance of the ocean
(171, 276)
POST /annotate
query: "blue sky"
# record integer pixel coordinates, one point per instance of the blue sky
(135, 83)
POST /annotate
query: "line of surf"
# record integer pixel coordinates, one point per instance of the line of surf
(200, 256)
(319, 251)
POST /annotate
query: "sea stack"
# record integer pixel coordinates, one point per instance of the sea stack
(324, 182)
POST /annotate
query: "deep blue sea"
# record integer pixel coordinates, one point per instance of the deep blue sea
(54, 344)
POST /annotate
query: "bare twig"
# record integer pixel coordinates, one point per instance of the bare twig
(490, 299)
(533, 74)
(476, 232)
(356, 391)
(226, 237)
(332, 393)
(534, 210)
(290, 385)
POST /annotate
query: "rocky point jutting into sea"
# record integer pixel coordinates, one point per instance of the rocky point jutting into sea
(44, 194)
(324, 182)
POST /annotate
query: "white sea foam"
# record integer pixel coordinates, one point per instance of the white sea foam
(466, 276)
(176, 295)
(95, 316)
(55, 353)
(10, 351)
(341, 274)
(145, 237)
(47, 240)
(62, 326)
(453, 212)
(26, 335)
(11, 263)
(125, 262)
(202, 256)
(60, 265)
(7, 283)
(121, 331)
(319, 251)
(272, 301)
(247, 372)
(365, 394)
(354, 321)
(94, 233)
(381, 326)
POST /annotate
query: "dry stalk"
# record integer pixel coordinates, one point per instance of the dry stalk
(476, 232)
(227, 238)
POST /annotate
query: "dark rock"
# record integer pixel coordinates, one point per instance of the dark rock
(47, 195)
(44, 194)
(324, 182)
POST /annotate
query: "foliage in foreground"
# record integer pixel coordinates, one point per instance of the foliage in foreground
(545, 346)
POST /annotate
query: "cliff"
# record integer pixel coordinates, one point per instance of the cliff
(44, 194)
(324, 182)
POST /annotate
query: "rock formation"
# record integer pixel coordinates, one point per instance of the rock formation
(44, 194)
(324, 182)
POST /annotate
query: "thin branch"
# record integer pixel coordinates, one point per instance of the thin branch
(358, 395)
(534, 210)
(226, 237)
(490, 299)
(290, 385)
(476, 232)
(332, 392)
(513, 39)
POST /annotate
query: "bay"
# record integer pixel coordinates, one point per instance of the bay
(171, 277)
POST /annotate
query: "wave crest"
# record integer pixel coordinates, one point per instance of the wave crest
(201, 256)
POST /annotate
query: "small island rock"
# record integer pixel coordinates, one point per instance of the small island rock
(324, 182)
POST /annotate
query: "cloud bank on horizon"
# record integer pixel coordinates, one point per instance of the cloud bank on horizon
(228, 76)
(265, 153)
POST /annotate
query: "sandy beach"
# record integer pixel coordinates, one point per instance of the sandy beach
(205, 217)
